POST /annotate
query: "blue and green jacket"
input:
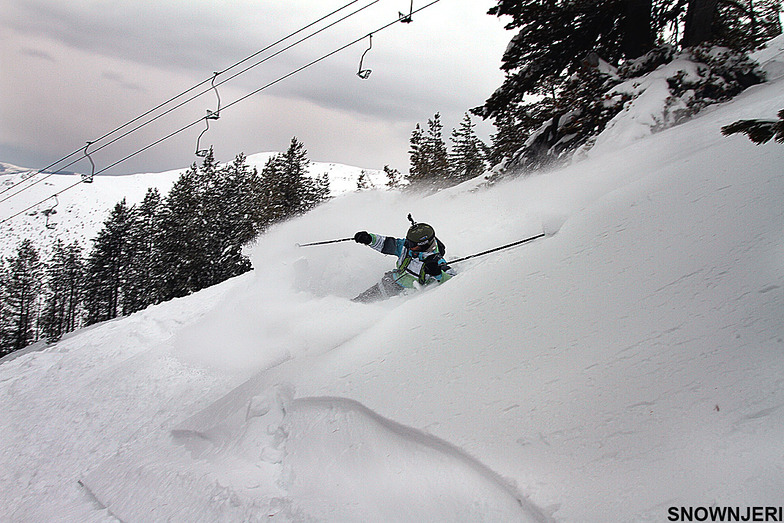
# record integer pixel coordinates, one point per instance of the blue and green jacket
(410, 270)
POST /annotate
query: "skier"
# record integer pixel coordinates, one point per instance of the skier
(420, 261)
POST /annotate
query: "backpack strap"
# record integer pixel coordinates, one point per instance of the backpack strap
(441, 247)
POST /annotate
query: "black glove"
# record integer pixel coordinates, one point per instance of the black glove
(363, 237)
(431, 265)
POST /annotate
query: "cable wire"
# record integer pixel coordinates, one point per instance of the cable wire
(235, 102)
(183, 93)
(243, 71)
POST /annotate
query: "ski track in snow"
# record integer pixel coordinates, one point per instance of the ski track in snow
(332, 459)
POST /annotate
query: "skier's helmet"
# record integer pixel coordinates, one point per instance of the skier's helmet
(420, 237)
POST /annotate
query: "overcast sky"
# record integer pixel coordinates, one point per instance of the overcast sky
(74, 70)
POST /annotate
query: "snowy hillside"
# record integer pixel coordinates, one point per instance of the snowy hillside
(630, 362)
(81, 211)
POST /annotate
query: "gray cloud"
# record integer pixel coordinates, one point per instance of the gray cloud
(118, 79)
(113, 61)
(37, 53)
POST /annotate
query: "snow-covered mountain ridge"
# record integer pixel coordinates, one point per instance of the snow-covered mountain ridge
(81, 211)
(629, 363)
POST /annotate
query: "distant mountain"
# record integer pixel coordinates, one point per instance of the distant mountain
(77, 212)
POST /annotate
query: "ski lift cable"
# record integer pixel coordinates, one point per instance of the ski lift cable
(235, 102)
(331, 53)
(235, 75)
(266, 86)
(163, 104)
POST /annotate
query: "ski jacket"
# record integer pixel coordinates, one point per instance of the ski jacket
(410, 269)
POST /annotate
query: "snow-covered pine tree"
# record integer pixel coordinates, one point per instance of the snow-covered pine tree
(53, 321)
(758, 131)
(295, 168)
(73, 280)
(554, 37)
(107, 266)
(231, 204)
(507, 140)
(557, 43)
(144, 271)
(63, 291)
(363, 183)
(243, 208)
(287, 188)
(181, 237)
(5, 317)
(467, 159)
(22, 289)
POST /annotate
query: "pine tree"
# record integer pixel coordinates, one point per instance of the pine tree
(107, 266)
(242, 208)
(746, 24)
(393, 177)
(64, 288)
(417, 169)
(555, 53)
(288, 190)
(554, 37)
(73, 279)
(208, 216)
(317, 190)
(508, 139)
(467, 157)
(22, 289)
(144, 273)
(429, 157)
(363, 182)
(294, 163)
(699, 23)
(53, 317)
(435, 149)
(233, 208)
(758, 131)
(181, 236)
(5, 312)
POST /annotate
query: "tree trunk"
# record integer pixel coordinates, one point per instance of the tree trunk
(638, 36)
(699, 22)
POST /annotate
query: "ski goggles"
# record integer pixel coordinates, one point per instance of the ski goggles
(418, 246)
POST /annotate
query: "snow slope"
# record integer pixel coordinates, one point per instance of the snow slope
(631, 361)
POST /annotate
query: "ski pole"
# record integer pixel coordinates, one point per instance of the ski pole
(508, 245)
(325, 242)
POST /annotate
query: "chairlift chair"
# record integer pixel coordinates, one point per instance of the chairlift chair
(365, 73)
(211, 115)
(88, 178)
(49, 212)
